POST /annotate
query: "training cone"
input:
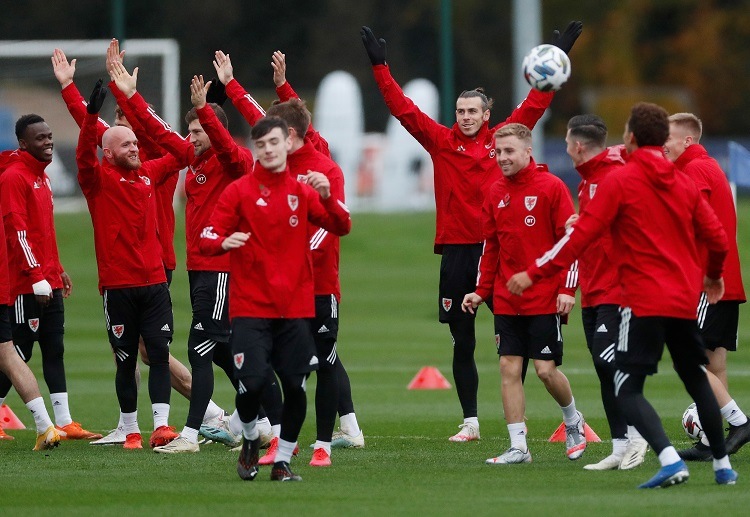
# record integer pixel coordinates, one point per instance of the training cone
(9, 420)
(429, 378)
(559, 434)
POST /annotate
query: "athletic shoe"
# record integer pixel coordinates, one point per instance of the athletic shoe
(74, 431)
(697, 452)
(4, 436)
(726, 476)
(49, 439)
(635, 453)
(320, 458)
(247, 463)
(266, 432)
(178, 445)
(162, 435)
(218, 431)
(738, 436)
(343, 440)
(512, 455)
(282, 472)
(468, 433)
(575, 438)
(133, 441)
(667, 476)
(611, 462)
(115, 436)
(269, 458)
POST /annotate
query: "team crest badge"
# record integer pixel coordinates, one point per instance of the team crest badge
(447, 304)
(592, 190)
(239, 360)
(301, 178)
(146, 180)
(293, 202)
(530, 202)
(34, 324)
(497, 341)
(118, 330)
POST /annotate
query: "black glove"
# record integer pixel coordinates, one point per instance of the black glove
(565, 40)
(97, 98)
(375, 48)
(216, 92)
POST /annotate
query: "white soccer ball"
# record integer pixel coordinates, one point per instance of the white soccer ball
(546, 68)
(691, 423)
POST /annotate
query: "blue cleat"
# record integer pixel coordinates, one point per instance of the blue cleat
(726, 476)
(669, 475)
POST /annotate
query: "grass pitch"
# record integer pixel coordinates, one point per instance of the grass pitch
(388, 331)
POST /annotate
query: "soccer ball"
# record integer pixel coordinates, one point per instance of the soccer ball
(546, 68)
(691, 423)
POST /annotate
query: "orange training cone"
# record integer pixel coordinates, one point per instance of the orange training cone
(559, 434)
(429, 378)
(9, 420)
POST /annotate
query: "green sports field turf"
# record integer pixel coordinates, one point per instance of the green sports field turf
(388, 331)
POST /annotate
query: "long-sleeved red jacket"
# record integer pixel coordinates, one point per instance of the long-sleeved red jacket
(4, 282)
(123, 212)
(464, 167)
(596, 264)
(656, 214)
(712, 182)
(271, 276)
(208, 174)
(524, 215)
(29, 223)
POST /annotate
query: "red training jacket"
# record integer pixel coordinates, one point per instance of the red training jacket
(271, 276)
(655, 213)
(524, 215)
(4, 283)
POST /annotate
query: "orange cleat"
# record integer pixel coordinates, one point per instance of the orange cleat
(133, 441)
(162, 435)
(49, 439)
(74, 431)
(270, 456)
(4, 436)
(320, 458)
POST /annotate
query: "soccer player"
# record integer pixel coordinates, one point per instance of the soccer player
(600, 289)
(717, 323)
(12, 366)
(132, 281)
(463, 158)
(655, 214)
(38, 282)
(524, 212)
(263, 220)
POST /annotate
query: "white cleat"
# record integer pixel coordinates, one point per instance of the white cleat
(217, 430)
(115, 437)
(343, 440)
(575, 438)
(635, 453)
(468, 433)
(511, 456)
(177, 446)
(611, 462)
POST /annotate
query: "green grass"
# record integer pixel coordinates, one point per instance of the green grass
(388, 331)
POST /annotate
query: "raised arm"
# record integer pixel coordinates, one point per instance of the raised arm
(243, 101)
(86, 158)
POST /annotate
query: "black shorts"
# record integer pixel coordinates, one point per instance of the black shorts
(131, 312)
(641, 342)
(286, 345)
(459, 267)
(718, 323)
(30, 320)
(325, 326)
(5, 332)
(534, 337)
(601, 325)
(209, 297)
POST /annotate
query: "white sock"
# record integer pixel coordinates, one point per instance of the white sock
(704, 440)
(722, 463)
(517, 434)
(120, 423)
(190, 434)
(473, 421)
(322, 445)
(161, 414)
(570, 415)
(250, 429)
(276, 430)
(618, 446)
(733, 414)
(349, 424)
(285, 451)
(61, 409)
(39, 412)
(235, 424)
(212, 411)
(633, 433)
(130, 423)
(668, 456)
